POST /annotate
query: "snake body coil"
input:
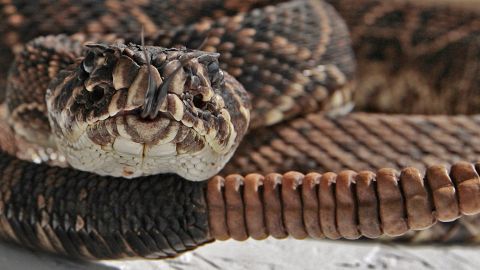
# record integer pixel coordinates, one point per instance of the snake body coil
(101, 217)
(283, 72)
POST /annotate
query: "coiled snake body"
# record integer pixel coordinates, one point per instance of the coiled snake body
(132, 110)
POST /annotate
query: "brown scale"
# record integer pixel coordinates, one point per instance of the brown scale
(262, 51)
(358, 141)
(421, 53)
(26, 99)
(23, 20)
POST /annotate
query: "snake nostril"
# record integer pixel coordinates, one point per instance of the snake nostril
(97, 94)
(88, 62)
(198, 101)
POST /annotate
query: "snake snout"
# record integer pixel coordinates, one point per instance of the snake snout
(134, 110)
(191, 75)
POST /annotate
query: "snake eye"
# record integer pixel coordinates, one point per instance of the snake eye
(213, 67)
(88, 62)
(217, 77)
(214, 72)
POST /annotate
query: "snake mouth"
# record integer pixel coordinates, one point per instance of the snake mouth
(139, 144)
(128, 133)
(148, 104)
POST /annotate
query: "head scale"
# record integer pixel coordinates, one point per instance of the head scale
(134, 110)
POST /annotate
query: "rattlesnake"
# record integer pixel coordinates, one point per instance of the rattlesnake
(295, 61)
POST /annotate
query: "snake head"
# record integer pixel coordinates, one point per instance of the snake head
(132, 110)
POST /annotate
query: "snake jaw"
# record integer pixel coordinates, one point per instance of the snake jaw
(131, 111)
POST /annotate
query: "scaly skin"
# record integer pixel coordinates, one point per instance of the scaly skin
(83, 215)
(311, 143)
(97, 217)
(361, 141)
(420, 53)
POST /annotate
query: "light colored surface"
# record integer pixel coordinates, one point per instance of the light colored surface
(271, 255)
